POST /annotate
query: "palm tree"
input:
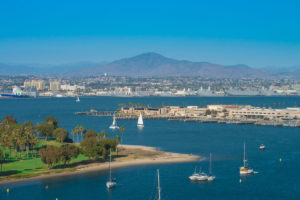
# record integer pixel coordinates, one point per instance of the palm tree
(73, 134)
(122, 129)
(118, 139)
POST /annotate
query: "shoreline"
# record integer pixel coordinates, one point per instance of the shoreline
(142, 155)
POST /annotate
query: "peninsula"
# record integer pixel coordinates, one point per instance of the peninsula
(128, 155)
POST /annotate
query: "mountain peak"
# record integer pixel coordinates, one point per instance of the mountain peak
(149, 56)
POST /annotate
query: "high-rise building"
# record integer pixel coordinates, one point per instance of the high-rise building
(38, 84)
(54, 85)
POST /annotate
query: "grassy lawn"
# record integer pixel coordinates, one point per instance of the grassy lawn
(33, 166)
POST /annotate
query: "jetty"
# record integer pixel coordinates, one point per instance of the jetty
(221, 114)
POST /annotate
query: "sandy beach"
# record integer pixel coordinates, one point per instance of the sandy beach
(129, 155)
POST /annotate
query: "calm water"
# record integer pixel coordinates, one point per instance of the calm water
(275, 180)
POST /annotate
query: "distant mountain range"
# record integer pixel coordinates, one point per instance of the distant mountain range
(152, 64)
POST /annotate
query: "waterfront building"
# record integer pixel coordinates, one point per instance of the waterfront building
(54, 85)
(38, 84)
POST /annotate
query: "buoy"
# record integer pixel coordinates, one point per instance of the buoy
(240, 180)
(7, 190)
(280, 159)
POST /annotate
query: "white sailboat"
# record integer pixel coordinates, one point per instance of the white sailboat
(244, 170)
(210, 176)
(111, 182)
(140, 122)
(158, 185)
(201, 176)
(114, 124)
(77, 99)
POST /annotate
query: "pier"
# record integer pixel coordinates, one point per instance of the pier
(221, 114)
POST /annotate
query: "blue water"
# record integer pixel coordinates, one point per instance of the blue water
(275, 180)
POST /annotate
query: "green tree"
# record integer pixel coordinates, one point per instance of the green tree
(67, 152)
(122, 129)
(107, 144)
(51, 120)
(50, 155)
(90, 147)
(45, 130)
(2, 159)
(60, 134)
(9, 119)
(79, 129)
(90, 133)
(73, 132)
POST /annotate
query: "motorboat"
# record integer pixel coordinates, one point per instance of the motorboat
(262, 147)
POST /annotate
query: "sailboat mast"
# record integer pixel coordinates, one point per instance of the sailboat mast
(158, 184)
(210, 171)
(109, 165)
(244, 154)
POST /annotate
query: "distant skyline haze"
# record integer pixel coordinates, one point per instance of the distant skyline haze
(256, 33)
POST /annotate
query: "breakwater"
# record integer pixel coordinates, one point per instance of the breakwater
(201, 119)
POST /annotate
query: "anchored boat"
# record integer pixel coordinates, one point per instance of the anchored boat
(111, 182)
(114, 124)
(244, 170)
(140, 122)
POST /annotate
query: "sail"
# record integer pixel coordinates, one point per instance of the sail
(114, 121)
(140, 120)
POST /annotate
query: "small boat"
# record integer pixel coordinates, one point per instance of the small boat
(262, 147)
(140, 122)
(244, 170)
(114, 124)
(77, 99)
(111, 182)
(210, 176)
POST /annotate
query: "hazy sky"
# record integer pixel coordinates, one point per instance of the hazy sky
(258, 33)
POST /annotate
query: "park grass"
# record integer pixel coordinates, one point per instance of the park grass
(33, 166)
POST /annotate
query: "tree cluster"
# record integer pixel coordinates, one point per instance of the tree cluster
(52, 155)
(17, 137)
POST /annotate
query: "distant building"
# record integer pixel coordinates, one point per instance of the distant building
(54, 85)
(38, 84)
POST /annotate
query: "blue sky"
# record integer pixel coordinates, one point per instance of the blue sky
(257, 33)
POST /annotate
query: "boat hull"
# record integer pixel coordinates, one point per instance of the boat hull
(110, 184)
(114, 127)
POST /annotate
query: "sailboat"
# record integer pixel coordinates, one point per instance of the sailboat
(140, 122)
(158, 185)
(111, 182)
(77, 99)
(210, 176)
(245, 169)
(201, 176)
(114, 124)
